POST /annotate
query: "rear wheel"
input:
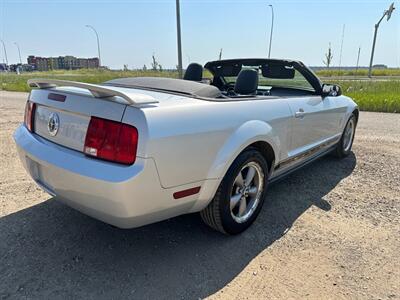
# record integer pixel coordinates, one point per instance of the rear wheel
(240, 195)
(343, 148)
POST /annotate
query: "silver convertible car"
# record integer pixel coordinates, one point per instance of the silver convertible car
(134, 151)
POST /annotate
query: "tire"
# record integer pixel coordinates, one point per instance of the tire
(343, 147)
(218, 214)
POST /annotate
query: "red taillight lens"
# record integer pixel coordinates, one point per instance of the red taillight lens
(29, 115)
(110, 140)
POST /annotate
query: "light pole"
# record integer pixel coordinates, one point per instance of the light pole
(178, 32)
(358, 58)
(272, 29)
(98, 42)
(5, 51)
(341, 49)
(19, 52)
(387, 13)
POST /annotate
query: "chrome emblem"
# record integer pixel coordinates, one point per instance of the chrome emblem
(53, 124)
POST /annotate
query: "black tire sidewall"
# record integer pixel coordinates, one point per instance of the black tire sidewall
(228, 223)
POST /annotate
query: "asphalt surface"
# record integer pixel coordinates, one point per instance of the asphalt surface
(328, 231)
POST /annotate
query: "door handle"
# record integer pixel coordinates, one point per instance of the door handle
(300, 114)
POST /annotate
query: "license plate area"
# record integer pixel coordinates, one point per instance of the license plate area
(38, 175)
(61, 127)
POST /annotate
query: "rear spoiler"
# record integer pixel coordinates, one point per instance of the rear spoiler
(97, 91)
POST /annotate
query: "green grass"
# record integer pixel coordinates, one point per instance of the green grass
(360, 72)
(370, 95)
(14, 82)
(379, 96)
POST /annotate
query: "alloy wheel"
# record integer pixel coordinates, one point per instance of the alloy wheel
(348, 135)
(246, 191)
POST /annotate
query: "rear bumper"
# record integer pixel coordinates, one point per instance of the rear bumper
(124, 196)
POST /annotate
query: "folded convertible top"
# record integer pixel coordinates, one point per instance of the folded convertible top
(168, 85)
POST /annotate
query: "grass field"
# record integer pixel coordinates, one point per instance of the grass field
(14, 82)
(360, 72)
(371, 95)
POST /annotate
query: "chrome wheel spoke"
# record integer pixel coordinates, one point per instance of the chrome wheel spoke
(250, 175)
(242, 207)
(253, 191)
(235, 200)
(239, 180)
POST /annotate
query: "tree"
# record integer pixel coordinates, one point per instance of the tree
(154, 64)
(328, 57)
(160, 68)
(144, 68)
(126, 68)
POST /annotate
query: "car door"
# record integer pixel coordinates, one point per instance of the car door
(315, 121)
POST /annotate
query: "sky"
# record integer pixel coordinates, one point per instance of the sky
(132, 31)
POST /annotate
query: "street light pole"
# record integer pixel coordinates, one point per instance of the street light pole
(272, 29)
(387, 13)
(5, 51)
(358, 59)
(98, 42)
(19, 52)
(178, 32)
(341, 49)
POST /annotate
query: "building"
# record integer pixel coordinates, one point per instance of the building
(3, 68)
(380, 66)
(21, 68)
(62, 63)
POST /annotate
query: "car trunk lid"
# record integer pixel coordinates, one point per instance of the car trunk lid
(62, 114)
(66, 122)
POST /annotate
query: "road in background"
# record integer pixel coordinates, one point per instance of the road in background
(329, 231)
(359, 78)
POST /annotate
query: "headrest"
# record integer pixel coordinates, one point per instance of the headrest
(194, 72)
(246, 82)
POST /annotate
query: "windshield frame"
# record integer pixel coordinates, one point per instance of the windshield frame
(307, 73)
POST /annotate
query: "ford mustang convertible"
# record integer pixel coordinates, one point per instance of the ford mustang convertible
(134, 151)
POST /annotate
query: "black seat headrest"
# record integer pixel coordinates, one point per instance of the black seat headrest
(247, 82)
(194, 72)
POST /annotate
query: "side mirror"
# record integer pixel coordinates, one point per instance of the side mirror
(331, 90)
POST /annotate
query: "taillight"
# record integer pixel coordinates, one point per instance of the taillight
(29, 115)
(110, 140)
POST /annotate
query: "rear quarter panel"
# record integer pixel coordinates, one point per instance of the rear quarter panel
(199, 140)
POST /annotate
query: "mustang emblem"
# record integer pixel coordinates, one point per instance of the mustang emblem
(53, 124)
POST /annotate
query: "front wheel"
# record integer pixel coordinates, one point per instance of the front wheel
(240, 195)
(343, 148)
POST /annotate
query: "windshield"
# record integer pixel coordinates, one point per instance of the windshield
(297, 82)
